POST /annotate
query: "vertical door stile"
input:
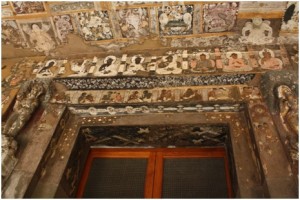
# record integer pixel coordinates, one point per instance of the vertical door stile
(85, 175)
(228, 178)
(158, 176)
(149, 184)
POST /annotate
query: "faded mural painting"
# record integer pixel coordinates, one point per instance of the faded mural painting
(40, 35)
(176, 20)
(134, 22)
(291, 17)
(69, 6)
(94, 22)
(11, 34)
(27, 7)
(220, 17)
(63, 26)
(95, 25)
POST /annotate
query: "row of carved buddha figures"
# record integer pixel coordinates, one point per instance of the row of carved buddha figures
(172, 63)
(156, 95)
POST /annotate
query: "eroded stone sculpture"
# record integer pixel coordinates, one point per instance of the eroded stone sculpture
(27, 101)
(288, 106)
(288, 109)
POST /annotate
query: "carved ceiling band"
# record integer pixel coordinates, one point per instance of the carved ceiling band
(85, 83)
(157, 135)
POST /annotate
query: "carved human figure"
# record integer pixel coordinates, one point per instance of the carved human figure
(61, 97)
(135, 66)
(203, 65)
(108, 68)
(25, 105)
(106, 98)
(76, 66)
(288, 106)
(117, 97)
(219, 94)
(236, 63)
(39, 37)
(166, 95)
(268, 60)
(85, 98)
(134, 97)
(146, 96)
(82, 69)
(257, 32)
(45, 72)
(251, 92)
(191, 94)
(169, 65)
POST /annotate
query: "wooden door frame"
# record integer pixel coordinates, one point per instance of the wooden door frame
(155, 157)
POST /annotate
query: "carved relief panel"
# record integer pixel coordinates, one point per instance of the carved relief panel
(220, 16)
(257, 32)
(40, 35)
(71, 6)
(28, 7)
(176, 20)
(63, 26)
(134, 22)
(95, 25)
(11, 34)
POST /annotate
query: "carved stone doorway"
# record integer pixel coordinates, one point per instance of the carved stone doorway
(66, 167)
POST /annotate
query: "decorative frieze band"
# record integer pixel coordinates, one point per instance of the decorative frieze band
(93, 83)
(119, 110)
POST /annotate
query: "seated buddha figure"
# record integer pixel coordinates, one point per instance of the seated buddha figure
(135, 66)
(108, 68)
(204, 64)
(169, 65)
(268, 60)
(235, 63)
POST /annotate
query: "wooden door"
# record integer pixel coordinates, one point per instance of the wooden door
(156, 173)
